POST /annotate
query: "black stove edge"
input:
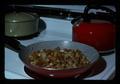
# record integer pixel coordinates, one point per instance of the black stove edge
(44, 11)
(59, 13)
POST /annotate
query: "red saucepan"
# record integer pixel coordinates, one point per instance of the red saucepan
(25, 51)
(97, 30)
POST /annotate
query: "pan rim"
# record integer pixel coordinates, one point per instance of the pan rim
(97, 54)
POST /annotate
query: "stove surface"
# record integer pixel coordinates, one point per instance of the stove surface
(55, 30)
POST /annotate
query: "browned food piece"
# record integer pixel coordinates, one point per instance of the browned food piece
(59, 58)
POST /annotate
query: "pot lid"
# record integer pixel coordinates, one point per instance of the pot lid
(18, 17)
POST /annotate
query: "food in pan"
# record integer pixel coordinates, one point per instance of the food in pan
(58, 58)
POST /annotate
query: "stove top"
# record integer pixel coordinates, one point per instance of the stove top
(56, 29)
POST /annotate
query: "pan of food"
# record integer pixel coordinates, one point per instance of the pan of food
(55, 59)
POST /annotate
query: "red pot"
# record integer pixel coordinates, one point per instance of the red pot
(98, 33)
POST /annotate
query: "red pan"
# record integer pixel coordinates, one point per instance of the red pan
(24, 51)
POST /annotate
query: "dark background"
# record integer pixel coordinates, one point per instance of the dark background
(4, 8)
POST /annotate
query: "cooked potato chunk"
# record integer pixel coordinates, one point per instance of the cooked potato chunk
(59, 58)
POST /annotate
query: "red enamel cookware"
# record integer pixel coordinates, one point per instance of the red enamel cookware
(97, 30)
(25, 51)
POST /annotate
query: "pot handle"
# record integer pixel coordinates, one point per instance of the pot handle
(86, 17)
(88, 7)
(12, 44)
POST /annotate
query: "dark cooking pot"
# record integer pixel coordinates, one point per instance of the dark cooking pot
(20, 24)
(97, 30)
(25, 51)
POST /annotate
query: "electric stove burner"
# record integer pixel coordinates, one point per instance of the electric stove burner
(98, 67)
